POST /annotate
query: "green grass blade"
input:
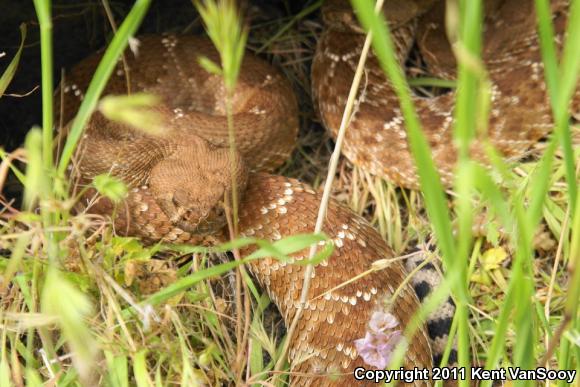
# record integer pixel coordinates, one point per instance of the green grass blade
(279, 250)
(70, 315)
(428, 175)
(570, 64)
(469, 71)
(184, 284)
(570, 69)
(142, 378)
(303, 13)
(10, 71)
(561, 88)
(432, 82)
(548, 49)
(36, 185)
(44, 17)
(99, 81)
(573, 297)
(471, 77)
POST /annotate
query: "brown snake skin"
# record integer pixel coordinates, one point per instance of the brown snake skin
(179, 177)
(520, 112)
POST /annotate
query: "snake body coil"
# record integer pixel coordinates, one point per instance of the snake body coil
(520, 111)
(177, 179)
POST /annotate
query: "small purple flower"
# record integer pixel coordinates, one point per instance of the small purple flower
(373, 357)
(381, 321)
(369, 352)
(377, 347)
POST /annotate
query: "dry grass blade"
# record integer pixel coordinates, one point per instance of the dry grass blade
(327, 189)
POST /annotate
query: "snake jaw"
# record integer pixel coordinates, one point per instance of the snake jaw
(178, 215)
(198, 216)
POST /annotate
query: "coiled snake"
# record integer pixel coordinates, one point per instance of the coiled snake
(178, 179)
(520, 111)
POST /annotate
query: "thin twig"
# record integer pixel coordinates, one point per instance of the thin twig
(111, 18)
(327, 189)
(555, 340)
(549, 343)
(233, 220)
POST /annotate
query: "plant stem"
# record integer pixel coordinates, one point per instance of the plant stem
(44, 18)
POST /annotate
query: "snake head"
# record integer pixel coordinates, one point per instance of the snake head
(191, 185)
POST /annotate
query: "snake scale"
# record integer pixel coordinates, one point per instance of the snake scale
(178, 178)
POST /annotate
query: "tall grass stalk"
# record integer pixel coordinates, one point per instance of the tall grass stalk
(428, 175)
(44, 17)
(38, 188)
(470, 84)
(569, 76)
(224, 27)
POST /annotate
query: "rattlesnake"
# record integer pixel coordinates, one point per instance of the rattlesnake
(178, 179)
(520, 112)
